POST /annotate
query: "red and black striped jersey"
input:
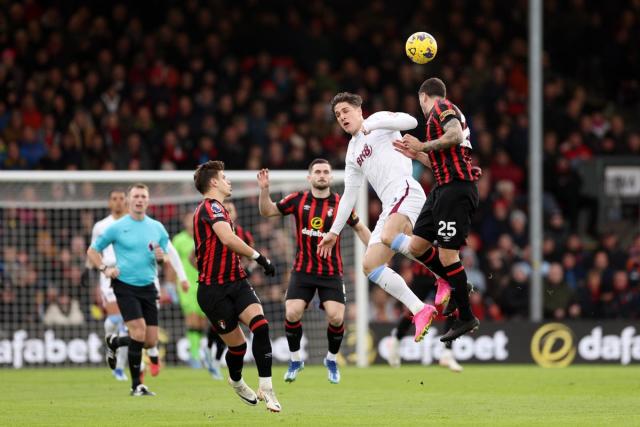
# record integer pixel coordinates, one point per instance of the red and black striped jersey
(245, 235)
(314, 218)
(217, 264)
(452, 163)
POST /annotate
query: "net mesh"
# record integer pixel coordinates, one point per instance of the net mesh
(49, 296)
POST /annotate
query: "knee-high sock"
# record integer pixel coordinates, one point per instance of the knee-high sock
(235, 360)
(122, 352)
(112, 324)
(135, 358)
(194, 336)
(220, 346)
(261, 345)
(457, 277)
(334, 336)
(153, 354)
(429, 258)
(403, 325)
(293, 332)
(394, 285)
(448, 323)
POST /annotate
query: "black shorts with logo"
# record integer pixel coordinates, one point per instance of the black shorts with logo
(303, 286)
(136, 302)
(447, 213)
(223, 303)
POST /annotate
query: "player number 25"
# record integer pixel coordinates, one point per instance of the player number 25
(447, 228)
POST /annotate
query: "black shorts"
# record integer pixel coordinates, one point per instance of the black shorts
(303, 286)
(447, 213)
(223, 303)
(136, 302)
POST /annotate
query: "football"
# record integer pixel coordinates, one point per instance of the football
(421, 47)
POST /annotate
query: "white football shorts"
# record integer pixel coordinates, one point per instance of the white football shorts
(408, 201)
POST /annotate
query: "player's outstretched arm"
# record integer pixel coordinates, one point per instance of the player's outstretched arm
(363, 233)
(176, 264)
(452, 136)
(266, 206)
(229, 239)
(412, 154)
(389, 120)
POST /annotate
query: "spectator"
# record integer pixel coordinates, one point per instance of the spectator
(557, 294)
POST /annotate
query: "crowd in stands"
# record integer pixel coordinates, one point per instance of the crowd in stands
(115, 86)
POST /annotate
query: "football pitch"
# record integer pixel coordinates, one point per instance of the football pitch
(379, 396)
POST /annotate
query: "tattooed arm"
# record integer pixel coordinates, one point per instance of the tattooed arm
(452, 136)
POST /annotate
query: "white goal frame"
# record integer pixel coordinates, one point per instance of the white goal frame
(276, 177)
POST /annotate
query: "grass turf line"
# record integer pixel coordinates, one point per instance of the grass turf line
(490, 395)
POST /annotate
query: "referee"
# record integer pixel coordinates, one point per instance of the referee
(139, 243)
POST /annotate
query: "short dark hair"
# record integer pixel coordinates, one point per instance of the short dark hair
(137, 185)
(318, 161)
(204, 173)
(117, 190)
(433, 87)
(348, 97)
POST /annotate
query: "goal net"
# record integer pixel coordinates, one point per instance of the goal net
(50, 305)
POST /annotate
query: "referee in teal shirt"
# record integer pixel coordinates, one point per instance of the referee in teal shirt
(140, 243)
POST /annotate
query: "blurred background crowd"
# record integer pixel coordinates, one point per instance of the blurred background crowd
(115, 86)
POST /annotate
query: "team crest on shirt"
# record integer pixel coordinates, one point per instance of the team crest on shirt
(307, 207)
(222, 324)
(330, 212)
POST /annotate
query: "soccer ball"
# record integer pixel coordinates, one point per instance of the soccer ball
(421, 47)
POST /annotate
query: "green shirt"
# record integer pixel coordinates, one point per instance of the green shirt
(185, 245)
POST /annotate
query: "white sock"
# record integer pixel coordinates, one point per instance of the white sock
(401, 244)
(237, 383)
(153, 351)
(394, 285)
(110, 327)
(265, 383)
(295, 356)
(331, 356)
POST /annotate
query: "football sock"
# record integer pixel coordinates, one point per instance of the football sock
(403, 325)
(194, 336)
(394, 285)
(293, 332)
(234, 358)
(331, 356)
(220, 346)
(121, 352)
(334, 336)
(429, 258)
(457, 277)
(135, 357)
(448, 323)
(153, 354)
(261, 345)
(211, 337)
(121, 341)
(112, 324)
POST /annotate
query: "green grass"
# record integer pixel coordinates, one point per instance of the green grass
(412, 395)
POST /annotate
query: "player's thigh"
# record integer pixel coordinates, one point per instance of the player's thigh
(128, 302)
(137, 329)
(396, 223)
(251, 311)
(218, 306)
(148, 296)
(453, 212)
(294, 309)
(425, 227)
(301, 287)
(247, 305)
(376, 255)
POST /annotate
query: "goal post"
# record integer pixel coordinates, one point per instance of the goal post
(46, 219)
